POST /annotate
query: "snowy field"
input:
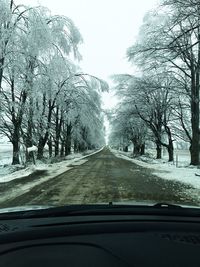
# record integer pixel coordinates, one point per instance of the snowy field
(181, 157)
(5, 154)
(170, 171)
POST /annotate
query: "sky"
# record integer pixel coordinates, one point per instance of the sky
(108, 28)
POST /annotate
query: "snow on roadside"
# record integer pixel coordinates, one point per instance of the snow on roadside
(53, 169)
(126, 156)
(167, 170)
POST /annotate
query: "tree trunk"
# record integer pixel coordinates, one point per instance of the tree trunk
(15, 143)
(29, 138)
(195, 83)
(56, 151)
(142, 150)
(1, 70)
(42, 140)
(75, 146)
(67, 146)
(136, 149)
(49, 143)
(170, 146)
(41, 144)
(195, 130)
(158, 150)
(81, 147)
(125, 148)
(170, 150)
(68, 140)
(194, 151)
(56, 141)
(62, 150)
(59, 122)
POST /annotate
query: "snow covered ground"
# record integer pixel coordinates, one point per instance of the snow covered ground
(181, 157)
(50, 172)
(53, 169)
(5, 154)
(169, 171)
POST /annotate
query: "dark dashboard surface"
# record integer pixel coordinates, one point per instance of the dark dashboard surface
(114, 240)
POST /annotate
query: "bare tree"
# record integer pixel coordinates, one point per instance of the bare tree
(171, 38)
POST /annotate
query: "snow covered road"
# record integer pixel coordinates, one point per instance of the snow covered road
(104, 178)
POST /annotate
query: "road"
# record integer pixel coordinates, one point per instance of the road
(103, 178)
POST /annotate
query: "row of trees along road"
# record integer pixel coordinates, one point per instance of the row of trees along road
(162, 103)
(45, 99)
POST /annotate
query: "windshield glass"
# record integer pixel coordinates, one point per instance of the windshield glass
(99, 102)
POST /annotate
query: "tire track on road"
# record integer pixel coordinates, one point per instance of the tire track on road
(104, 178)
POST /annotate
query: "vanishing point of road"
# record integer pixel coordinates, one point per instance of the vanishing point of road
(101, 179)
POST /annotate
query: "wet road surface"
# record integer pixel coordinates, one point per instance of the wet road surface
(103, 178)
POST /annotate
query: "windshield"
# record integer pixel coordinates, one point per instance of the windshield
(99, 102)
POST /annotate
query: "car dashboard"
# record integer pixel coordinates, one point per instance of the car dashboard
(100, 240)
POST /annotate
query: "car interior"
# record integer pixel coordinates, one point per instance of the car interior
(140, 236)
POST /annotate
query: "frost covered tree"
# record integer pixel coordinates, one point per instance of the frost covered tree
(171, 37)
(37, 34)
(126, 128)
(43, 92)
(150, 100)
(87, 116)
(126, 124)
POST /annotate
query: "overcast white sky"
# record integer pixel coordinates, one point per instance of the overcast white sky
(108, 28)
